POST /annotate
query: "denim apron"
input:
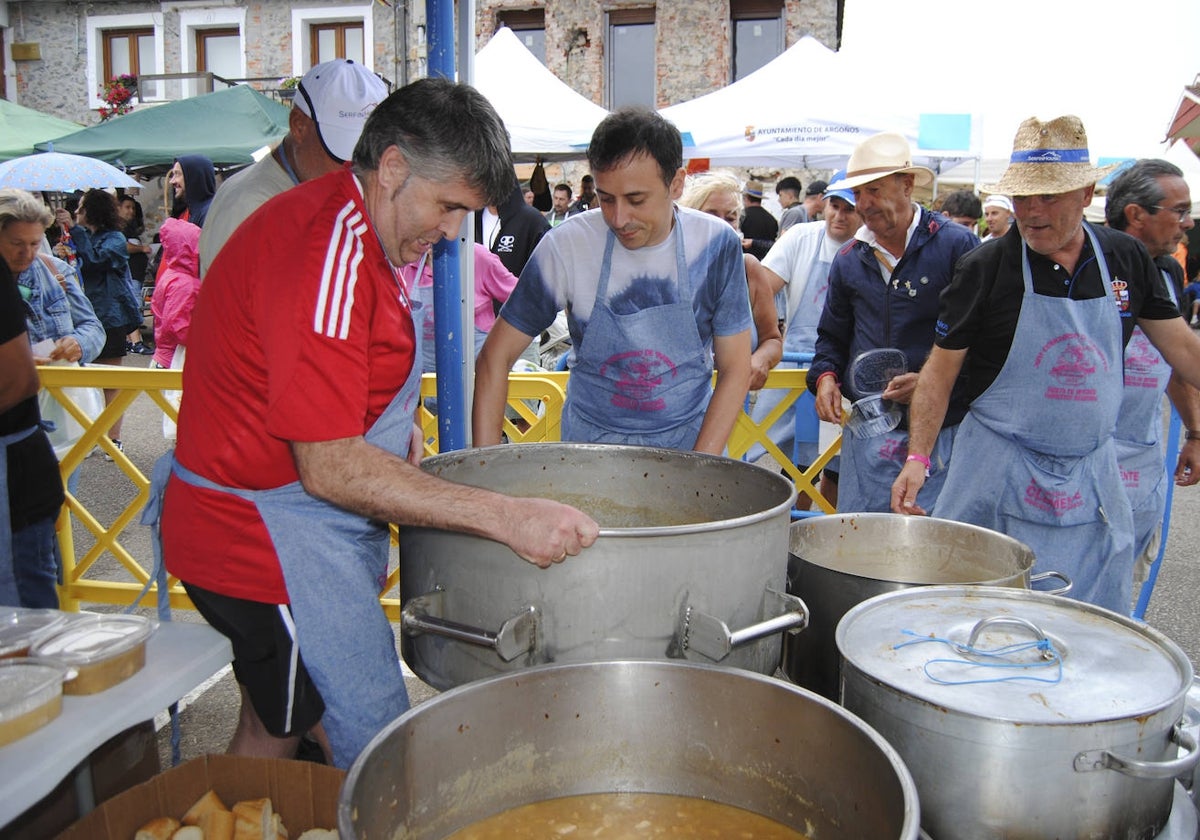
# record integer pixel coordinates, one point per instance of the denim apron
(870, 465)
(644, 378)
(334, 564)
(9, 594)
(1036, 452)
(422, 308)
(1139, 432)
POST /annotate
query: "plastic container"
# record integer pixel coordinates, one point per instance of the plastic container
(104, 650)
(20, 628)
(872, 416)
(30, 697)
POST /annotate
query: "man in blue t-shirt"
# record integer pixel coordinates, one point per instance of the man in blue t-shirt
(653, 294)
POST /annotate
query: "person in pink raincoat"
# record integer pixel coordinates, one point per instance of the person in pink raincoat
(176, 290)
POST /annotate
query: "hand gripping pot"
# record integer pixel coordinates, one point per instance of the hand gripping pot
(1021, 714)
(691, 563)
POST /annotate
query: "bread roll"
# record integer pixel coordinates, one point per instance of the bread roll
(217, 825)
(205, 804)
(157, 829)
(319, 834)
(188, 832)
(281, 832)
(252, 820)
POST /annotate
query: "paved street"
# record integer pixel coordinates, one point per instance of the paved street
(209, 714)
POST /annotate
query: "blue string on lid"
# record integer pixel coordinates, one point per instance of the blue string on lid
(997, 658)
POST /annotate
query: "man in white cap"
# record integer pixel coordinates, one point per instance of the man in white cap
(332, 102)
(1038, 323)
(997, 215)
(798, 265)
(883, 295)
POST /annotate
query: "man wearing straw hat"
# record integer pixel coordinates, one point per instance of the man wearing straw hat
(883, 294)
(1038, 319)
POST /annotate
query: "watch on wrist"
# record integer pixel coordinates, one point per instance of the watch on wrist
(1190, 435)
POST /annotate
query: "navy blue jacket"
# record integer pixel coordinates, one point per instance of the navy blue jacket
(861, 313)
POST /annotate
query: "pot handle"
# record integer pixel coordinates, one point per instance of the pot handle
(517, 636)
(712, 638)
(1086, 762)
(1012, 620)
(1062, 590)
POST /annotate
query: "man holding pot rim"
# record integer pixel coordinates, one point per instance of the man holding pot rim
(1039, 319)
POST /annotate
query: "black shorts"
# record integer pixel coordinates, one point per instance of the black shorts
(266, 661)
(114, 343)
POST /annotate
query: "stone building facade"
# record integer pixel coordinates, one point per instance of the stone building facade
(54, 52)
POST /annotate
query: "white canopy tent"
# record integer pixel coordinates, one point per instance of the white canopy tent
(787, 114)
(545, 118)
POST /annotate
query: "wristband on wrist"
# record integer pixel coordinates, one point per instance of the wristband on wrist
(920, 459)
(836, 381)
(1190, 435)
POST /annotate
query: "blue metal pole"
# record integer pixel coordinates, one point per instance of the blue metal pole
(1172, 456)
(447, 280)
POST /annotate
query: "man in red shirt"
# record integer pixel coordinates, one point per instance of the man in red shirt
(296, 440)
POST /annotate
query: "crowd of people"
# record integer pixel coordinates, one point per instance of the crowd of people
(299, 292)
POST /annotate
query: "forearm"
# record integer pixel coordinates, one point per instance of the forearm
(19, 380)
(763, 360)
(733, 381)
(1186, 399)
(931, 398)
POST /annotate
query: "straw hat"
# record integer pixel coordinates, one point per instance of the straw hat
(1049, 158)
(754, 189)
(879, 156)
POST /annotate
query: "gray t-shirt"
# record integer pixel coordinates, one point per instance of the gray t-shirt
(235, 200)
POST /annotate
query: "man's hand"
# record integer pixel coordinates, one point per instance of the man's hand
(545, 532)
(900, 388)
(829, 400)
(1187, 468)
(905, 489)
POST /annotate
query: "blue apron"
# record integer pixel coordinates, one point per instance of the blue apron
(9, 594)
(334, 564)
(1035, 454)
(422, 308)
(644, 378)
(870, 466)
(800, 336)
(1139, 432)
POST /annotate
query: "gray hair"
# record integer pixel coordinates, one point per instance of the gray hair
(20, 206)
(1137, 185)
(445, 131)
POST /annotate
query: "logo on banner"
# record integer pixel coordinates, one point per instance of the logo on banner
(638, 375)
(1071, 361)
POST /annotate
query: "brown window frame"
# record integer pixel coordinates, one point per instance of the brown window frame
(202, 36)
(133, 34)
(339, 28)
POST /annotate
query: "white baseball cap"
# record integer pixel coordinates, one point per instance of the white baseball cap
(339, 95)
(997, 200)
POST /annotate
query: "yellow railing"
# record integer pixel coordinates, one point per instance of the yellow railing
(536, 402)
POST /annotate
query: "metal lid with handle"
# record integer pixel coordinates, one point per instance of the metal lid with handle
(1015, 655)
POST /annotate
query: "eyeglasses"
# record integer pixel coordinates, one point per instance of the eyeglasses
(1181, 213)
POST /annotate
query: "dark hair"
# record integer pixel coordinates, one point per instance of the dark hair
(632, 131)
(137, 225)
(791, 182)
(445, 131)
(1137, 185)
(963, 203)
(566, 187)
(100, 208)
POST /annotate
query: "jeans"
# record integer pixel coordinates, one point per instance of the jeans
(36, 564)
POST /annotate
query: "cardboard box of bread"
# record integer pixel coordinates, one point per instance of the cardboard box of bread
(222, 797)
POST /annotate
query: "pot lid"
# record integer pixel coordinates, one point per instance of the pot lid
(1010, 654)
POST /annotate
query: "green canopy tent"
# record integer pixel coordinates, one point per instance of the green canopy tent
(21, 128)
(226, 126)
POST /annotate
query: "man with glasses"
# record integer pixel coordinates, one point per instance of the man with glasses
(332, 102)
(1151, 202)
(1038, 322)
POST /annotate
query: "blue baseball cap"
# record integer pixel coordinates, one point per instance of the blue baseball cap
(845, 195)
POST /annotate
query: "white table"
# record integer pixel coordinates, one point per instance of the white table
(179, 657)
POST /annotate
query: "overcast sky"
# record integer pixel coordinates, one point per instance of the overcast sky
(1120, 66)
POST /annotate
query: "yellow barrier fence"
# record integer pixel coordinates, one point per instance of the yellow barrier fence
(536, 403)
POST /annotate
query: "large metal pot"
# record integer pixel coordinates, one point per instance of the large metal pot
(1021, 714)
(691, 563)
(650, 726)
(838, 561)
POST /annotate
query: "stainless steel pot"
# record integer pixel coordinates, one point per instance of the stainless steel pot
(838, 561)
(691, 563)
(1077, 735)
(651, 726)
